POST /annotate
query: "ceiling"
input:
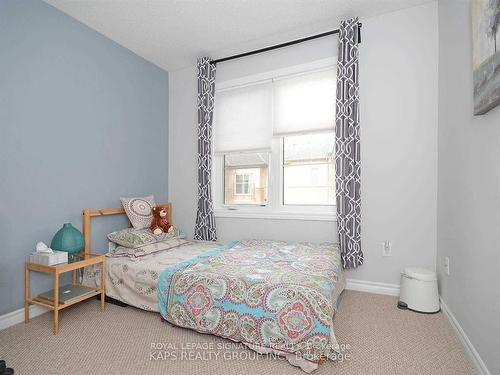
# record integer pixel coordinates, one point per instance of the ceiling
(173, 33)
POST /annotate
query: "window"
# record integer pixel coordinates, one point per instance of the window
(274, 144)
(242, 182)
(309, 170)
(246, 178)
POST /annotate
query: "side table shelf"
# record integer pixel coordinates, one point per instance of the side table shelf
(55, 304)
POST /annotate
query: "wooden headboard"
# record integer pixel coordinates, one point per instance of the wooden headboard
(87, 214)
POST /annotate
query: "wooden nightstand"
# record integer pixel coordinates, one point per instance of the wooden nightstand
(55, 305)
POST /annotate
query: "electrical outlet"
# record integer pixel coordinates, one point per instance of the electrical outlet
(447, 265)
(386, 249)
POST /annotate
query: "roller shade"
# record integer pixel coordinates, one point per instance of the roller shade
(305, 103)
(243, 118)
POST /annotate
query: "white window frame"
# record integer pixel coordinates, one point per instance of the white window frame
(274, 209)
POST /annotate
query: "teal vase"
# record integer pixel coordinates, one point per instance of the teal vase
(68, 239)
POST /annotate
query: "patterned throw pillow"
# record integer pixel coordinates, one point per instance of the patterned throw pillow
(135, 254)
(134, 238)
(138, 210)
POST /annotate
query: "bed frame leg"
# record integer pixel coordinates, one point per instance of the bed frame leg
(112, 301)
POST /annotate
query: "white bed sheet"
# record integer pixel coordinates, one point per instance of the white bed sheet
(134, 282)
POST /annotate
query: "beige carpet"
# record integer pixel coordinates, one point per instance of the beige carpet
(377, 338)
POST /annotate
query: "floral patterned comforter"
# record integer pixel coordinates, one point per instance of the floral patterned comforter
(269, 295)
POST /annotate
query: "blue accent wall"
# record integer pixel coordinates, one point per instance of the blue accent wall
(83, 121)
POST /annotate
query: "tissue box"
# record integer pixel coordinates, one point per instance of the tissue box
(57, 257)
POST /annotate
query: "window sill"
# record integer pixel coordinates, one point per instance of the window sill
(276, 215)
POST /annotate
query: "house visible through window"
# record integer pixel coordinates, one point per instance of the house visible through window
(274, 142)
(246, 178)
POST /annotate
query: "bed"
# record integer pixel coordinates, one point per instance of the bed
(273, 296)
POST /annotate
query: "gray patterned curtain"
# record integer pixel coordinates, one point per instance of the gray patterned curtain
(347, 146)
(205, 219)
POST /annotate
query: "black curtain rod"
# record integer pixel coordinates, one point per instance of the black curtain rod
(276, 46)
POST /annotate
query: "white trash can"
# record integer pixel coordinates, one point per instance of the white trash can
(419, 290)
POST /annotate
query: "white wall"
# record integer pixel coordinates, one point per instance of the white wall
(398, 93)
(469, 190)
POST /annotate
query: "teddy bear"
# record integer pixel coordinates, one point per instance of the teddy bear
(160, 223)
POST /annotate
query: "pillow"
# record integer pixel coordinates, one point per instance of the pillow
(139, 210)
(134, 238)
(136, 253)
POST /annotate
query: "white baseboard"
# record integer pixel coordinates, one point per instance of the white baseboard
(17, 316)
(372, 287)
(467, 344)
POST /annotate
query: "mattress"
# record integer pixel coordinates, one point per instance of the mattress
(134, 282)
